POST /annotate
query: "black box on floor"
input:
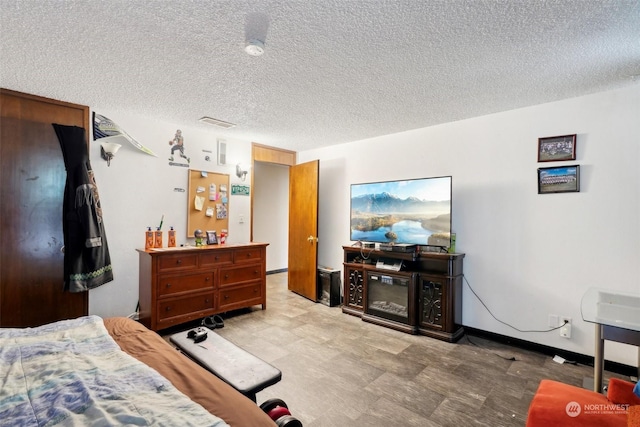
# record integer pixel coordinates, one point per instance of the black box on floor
(328, 289)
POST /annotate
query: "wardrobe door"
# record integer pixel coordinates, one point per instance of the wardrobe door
(32, 179)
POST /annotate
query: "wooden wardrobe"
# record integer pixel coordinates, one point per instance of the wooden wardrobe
(32, 179)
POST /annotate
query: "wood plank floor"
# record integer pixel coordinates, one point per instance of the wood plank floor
(340, 371)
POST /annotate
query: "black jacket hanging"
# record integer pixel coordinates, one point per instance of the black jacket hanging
(87, 263)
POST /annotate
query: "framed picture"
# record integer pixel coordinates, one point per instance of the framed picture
(212, 238)
(557, 148)
(561, 179)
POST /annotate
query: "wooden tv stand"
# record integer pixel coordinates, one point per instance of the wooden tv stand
(435, 289)
(177, 285)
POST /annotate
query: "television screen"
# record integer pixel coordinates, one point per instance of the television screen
(412, 211)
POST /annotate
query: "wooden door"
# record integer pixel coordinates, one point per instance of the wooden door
(33, 177)
(303, 229)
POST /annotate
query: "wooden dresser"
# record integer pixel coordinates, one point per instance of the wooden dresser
(178, 285)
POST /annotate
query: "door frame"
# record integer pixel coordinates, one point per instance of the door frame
(267, 154)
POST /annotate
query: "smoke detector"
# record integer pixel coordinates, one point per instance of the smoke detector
(254, 47)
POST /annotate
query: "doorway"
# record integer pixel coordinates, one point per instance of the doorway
(271, 204)
(302, 215)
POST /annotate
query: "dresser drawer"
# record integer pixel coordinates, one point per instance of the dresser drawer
(247, 254)
(169, 285)
(177, 262)
(232, 275)
(173, 307)
(216, 257)
(242, 295)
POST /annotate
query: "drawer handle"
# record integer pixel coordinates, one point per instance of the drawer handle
(248, 254)
(226, 276)
(168, 308)
(226, 297)
(255, 272)
(207, 301)
(217, 258)
(168, 285)
(206, 279)
(178, 261)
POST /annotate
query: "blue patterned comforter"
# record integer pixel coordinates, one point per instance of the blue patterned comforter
(72, 373)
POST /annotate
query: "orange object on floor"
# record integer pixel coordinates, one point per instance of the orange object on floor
(634, 416)
(558, 404)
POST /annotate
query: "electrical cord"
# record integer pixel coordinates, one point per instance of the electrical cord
(511, 358)
(361, 244)
(505, 323)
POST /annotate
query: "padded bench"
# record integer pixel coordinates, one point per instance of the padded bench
(240, 369)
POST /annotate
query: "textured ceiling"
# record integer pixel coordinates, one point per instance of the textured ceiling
(333, 71)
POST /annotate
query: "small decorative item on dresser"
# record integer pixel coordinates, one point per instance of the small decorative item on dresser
(172, 238)
(199, 235)
(157, 242)
(148, 238)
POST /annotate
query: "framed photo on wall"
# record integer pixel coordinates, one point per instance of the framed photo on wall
(557, 148)
(561, 179)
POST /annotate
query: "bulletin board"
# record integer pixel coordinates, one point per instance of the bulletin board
(208, 202)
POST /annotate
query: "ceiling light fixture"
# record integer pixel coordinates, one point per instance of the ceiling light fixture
(254, 47)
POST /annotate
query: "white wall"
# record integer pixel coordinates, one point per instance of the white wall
(137, 189)
(521, 259)
(271, 212)
(527, 255)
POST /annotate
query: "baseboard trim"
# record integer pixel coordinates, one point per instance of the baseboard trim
(282, 270)
(583, 359)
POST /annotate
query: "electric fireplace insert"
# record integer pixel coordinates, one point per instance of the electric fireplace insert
(390, 300)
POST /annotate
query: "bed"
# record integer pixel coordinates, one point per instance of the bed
(113, 371)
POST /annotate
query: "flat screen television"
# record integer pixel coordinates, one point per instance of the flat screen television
(409, 211)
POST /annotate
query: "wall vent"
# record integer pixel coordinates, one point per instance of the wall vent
(216, 122)
(222, 152)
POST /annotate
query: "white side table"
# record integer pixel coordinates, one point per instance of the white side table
(617, 318)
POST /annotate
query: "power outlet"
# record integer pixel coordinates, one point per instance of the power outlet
(565, 329)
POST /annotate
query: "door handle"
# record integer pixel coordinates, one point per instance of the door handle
(312, 239)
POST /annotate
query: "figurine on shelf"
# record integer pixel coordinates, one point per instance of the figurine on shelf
(199, 235)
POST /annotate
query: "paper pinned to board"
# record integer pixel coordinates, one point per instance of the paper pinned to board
(106, 130)
(199, 203)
